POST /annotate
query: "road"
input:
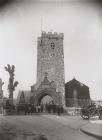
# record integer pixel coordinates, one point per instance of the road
(50, 126)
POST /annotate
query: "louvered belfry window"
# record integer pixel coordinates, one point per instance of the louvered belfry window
(52, 45)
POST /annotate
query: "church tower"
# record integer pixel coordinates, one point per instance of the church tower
(50, 60)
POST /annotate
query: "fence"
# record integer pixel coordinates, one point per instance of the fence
(97, 102)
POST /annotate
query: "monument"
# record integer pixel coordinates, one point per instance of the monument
(50, 68)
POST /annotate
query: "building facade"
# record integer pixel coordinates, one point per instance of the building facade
(76, 94)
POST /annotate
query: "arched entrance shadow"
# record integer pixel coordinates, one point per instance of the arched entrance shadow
(44, 92)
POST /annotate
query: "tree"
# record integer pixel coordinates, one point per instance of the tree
(1, 91)
(12, 84)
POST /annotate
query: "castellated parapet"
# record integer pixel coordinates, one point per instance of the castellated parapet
(52, 35)
(50, 59)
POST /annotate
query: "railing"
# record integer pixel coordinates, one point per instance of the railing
(97, 102)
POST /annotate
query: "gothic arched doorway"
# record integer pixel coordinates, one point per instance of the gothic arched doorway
(47, 95)
(47, 100)
(47, 88)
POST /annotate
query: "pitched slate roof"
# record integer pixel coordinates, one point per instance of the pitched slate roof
(76, 82)
(24, 95)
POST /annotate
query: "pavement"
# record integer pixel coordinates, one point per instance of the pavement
(93, 128)
(72, 126)
(52, 127)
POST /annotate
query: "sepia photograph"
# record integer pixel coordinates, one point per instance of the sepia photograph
(50, 70)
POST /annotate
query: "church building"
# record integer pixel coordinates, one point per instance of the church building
(76, 94)
(50, 84)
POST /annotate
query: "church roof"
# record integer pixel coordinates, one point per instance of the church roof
(25, 95)
(76, 82)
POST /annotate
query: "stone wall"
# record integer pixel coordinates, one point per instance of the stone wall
(50, 59)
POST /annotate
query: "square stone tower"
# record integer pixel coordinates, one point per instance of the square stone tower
(50, 60)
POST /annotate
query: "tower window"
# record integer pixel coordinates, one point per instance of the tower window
(52, 45)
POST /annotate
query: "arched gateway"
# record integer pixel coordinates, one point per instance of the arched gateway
(47, 88)
(43, 93)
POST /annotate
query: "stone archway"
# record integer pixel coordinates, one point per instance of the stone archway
(47, 100)
(50, 92)
(47, 88)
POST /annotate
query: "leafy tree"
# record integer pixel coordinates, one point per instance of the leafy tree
(12, 84)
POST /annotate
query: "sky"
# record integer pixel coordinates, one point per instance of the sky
(21, 23)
